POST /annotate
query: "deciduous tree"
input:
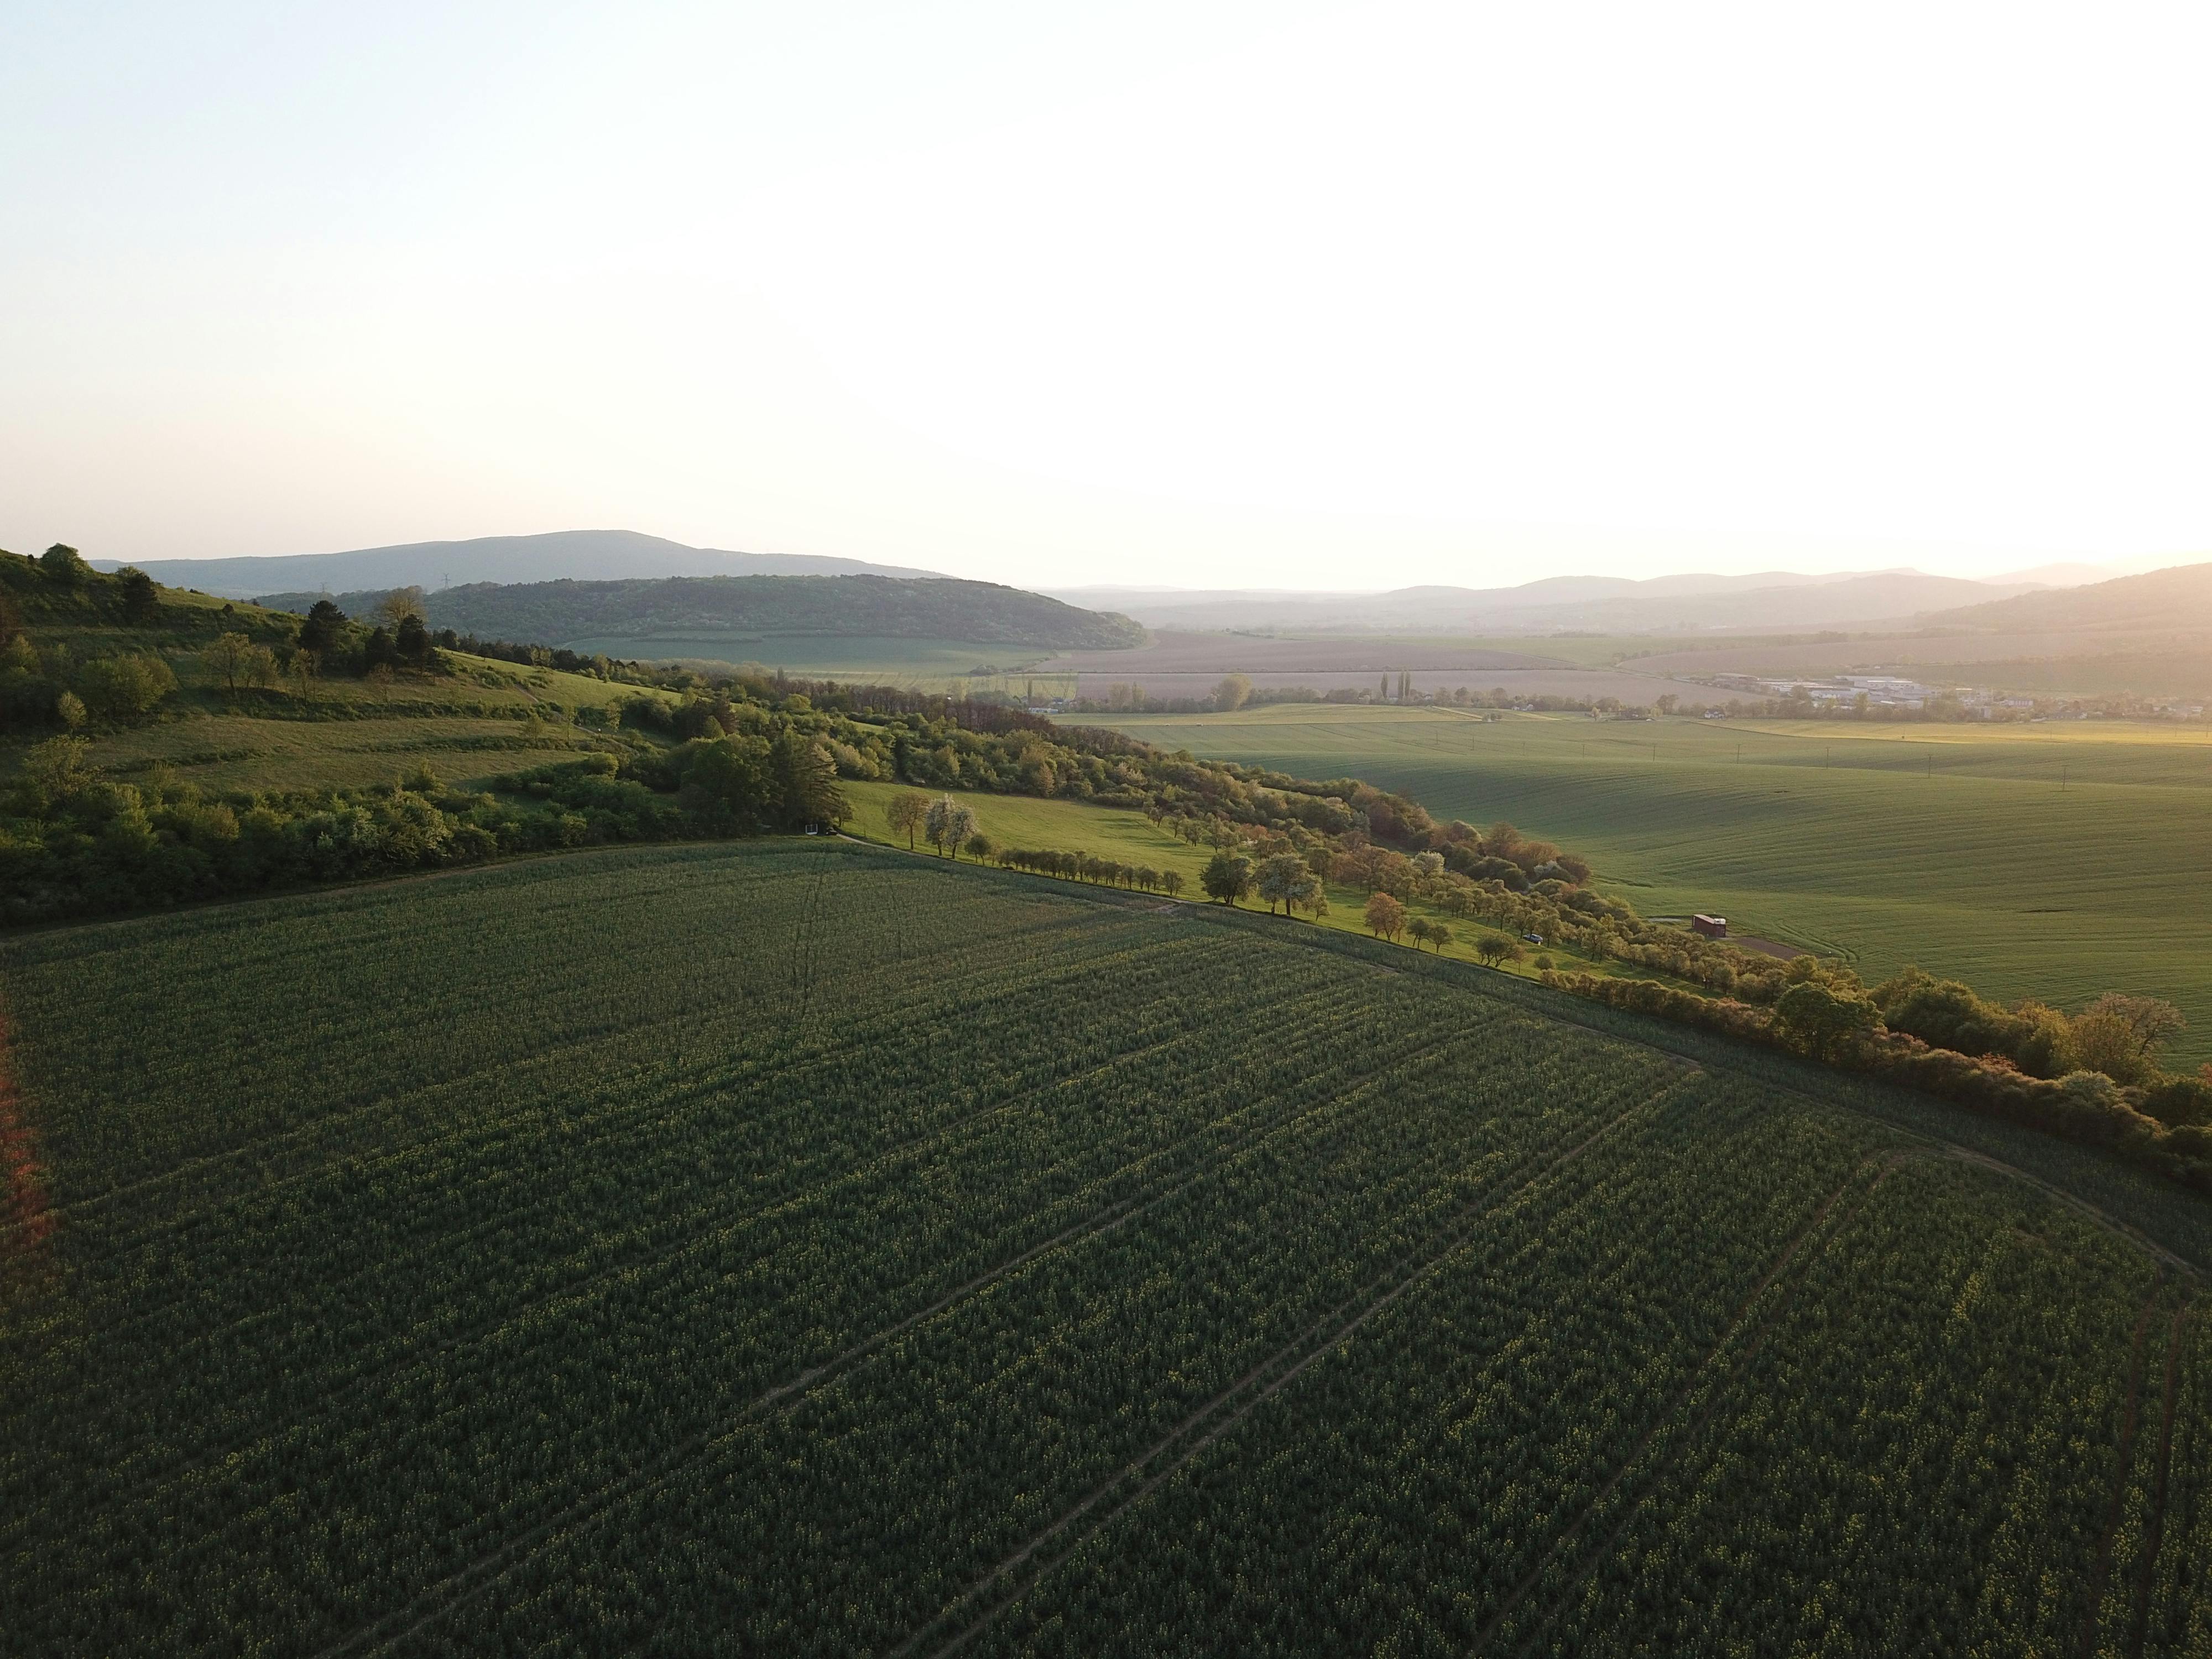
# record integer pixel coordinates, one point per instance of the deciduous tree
(1284, 879)
(947, 825)
(2120, 1034)
(227, 657)
(1385, 916)
(907, 811)
(1821, 1022)
(140, 602)
(1227, 877)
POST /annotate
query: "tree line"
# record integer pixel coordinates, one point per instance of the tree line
(745, 754)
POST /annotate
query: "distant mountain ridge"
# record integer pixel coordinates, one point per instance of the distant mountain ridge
(691, 607)
(1766, 599)
(2178, 597)
(577, 555)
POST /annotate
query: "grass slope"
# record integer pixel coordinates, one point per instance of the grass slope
(1954, 847)
(1130, 838)
(943, 1259)
(481, 718)
(2179, 596)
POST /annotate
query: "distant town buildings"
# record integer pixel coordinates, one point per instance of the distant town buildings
(1874, 693)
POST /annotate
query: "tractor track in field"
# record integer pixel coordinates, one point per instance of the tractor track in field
(2100, 1574)
(1211, 1421)
(470, 1581)
(714, 1222)
(2154, 1533)
(614, 1124)
(387, 1105)
(1815, 1225)
(31, 1218)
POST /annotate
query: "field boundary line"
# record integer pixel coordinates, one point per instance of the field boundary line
(1881, 1164)
(1459, 1230)
(2109, 1222)
(1732, 1055)
(769, 846)
(1098, 1223)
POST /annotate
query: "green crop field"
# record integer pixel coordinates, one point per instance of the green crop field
(805, 1247)
(2057, 860)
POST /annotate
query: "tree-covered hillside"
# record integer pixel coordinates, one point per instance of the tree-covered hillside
(882, 607)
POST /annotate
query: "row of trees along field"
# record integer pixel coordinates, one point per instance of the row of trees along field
(696, 758)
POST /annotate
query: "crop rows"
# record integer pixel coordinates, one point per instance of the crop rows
(814, 1251)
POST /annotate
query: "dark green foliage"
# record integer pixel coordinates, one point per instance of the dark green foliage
(323, 627)
(1821, 1022)
(124, 689)
(853, 605)
(1227, 877)
(1949, 1015)
(141, 603)
(63, 567)
(2176, 1101)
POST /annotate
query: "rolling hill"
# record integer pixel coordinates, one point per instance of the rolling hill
(1768, 599)
(577, 555)
(2179, 596)
(696, 611)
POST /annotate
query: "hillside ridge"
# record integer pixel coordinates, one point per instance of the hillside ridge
(865, 605)
(2179, 596)
(582, 554)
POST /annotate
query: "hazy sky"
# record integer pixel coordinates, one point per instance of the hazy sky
(1276, 295)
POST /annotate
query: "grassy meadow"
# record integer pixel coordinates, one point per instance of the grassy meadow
(1130, 838)
(2056, 860)
(486, 719)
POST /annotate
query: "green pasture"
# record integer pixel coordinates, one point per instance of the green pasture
(486, 718)
(1070, 826)
(2055, 859)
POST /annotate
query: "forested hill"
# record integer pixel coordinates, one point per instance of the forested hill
(2178, 597)
(577, 555)
(853, 606)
